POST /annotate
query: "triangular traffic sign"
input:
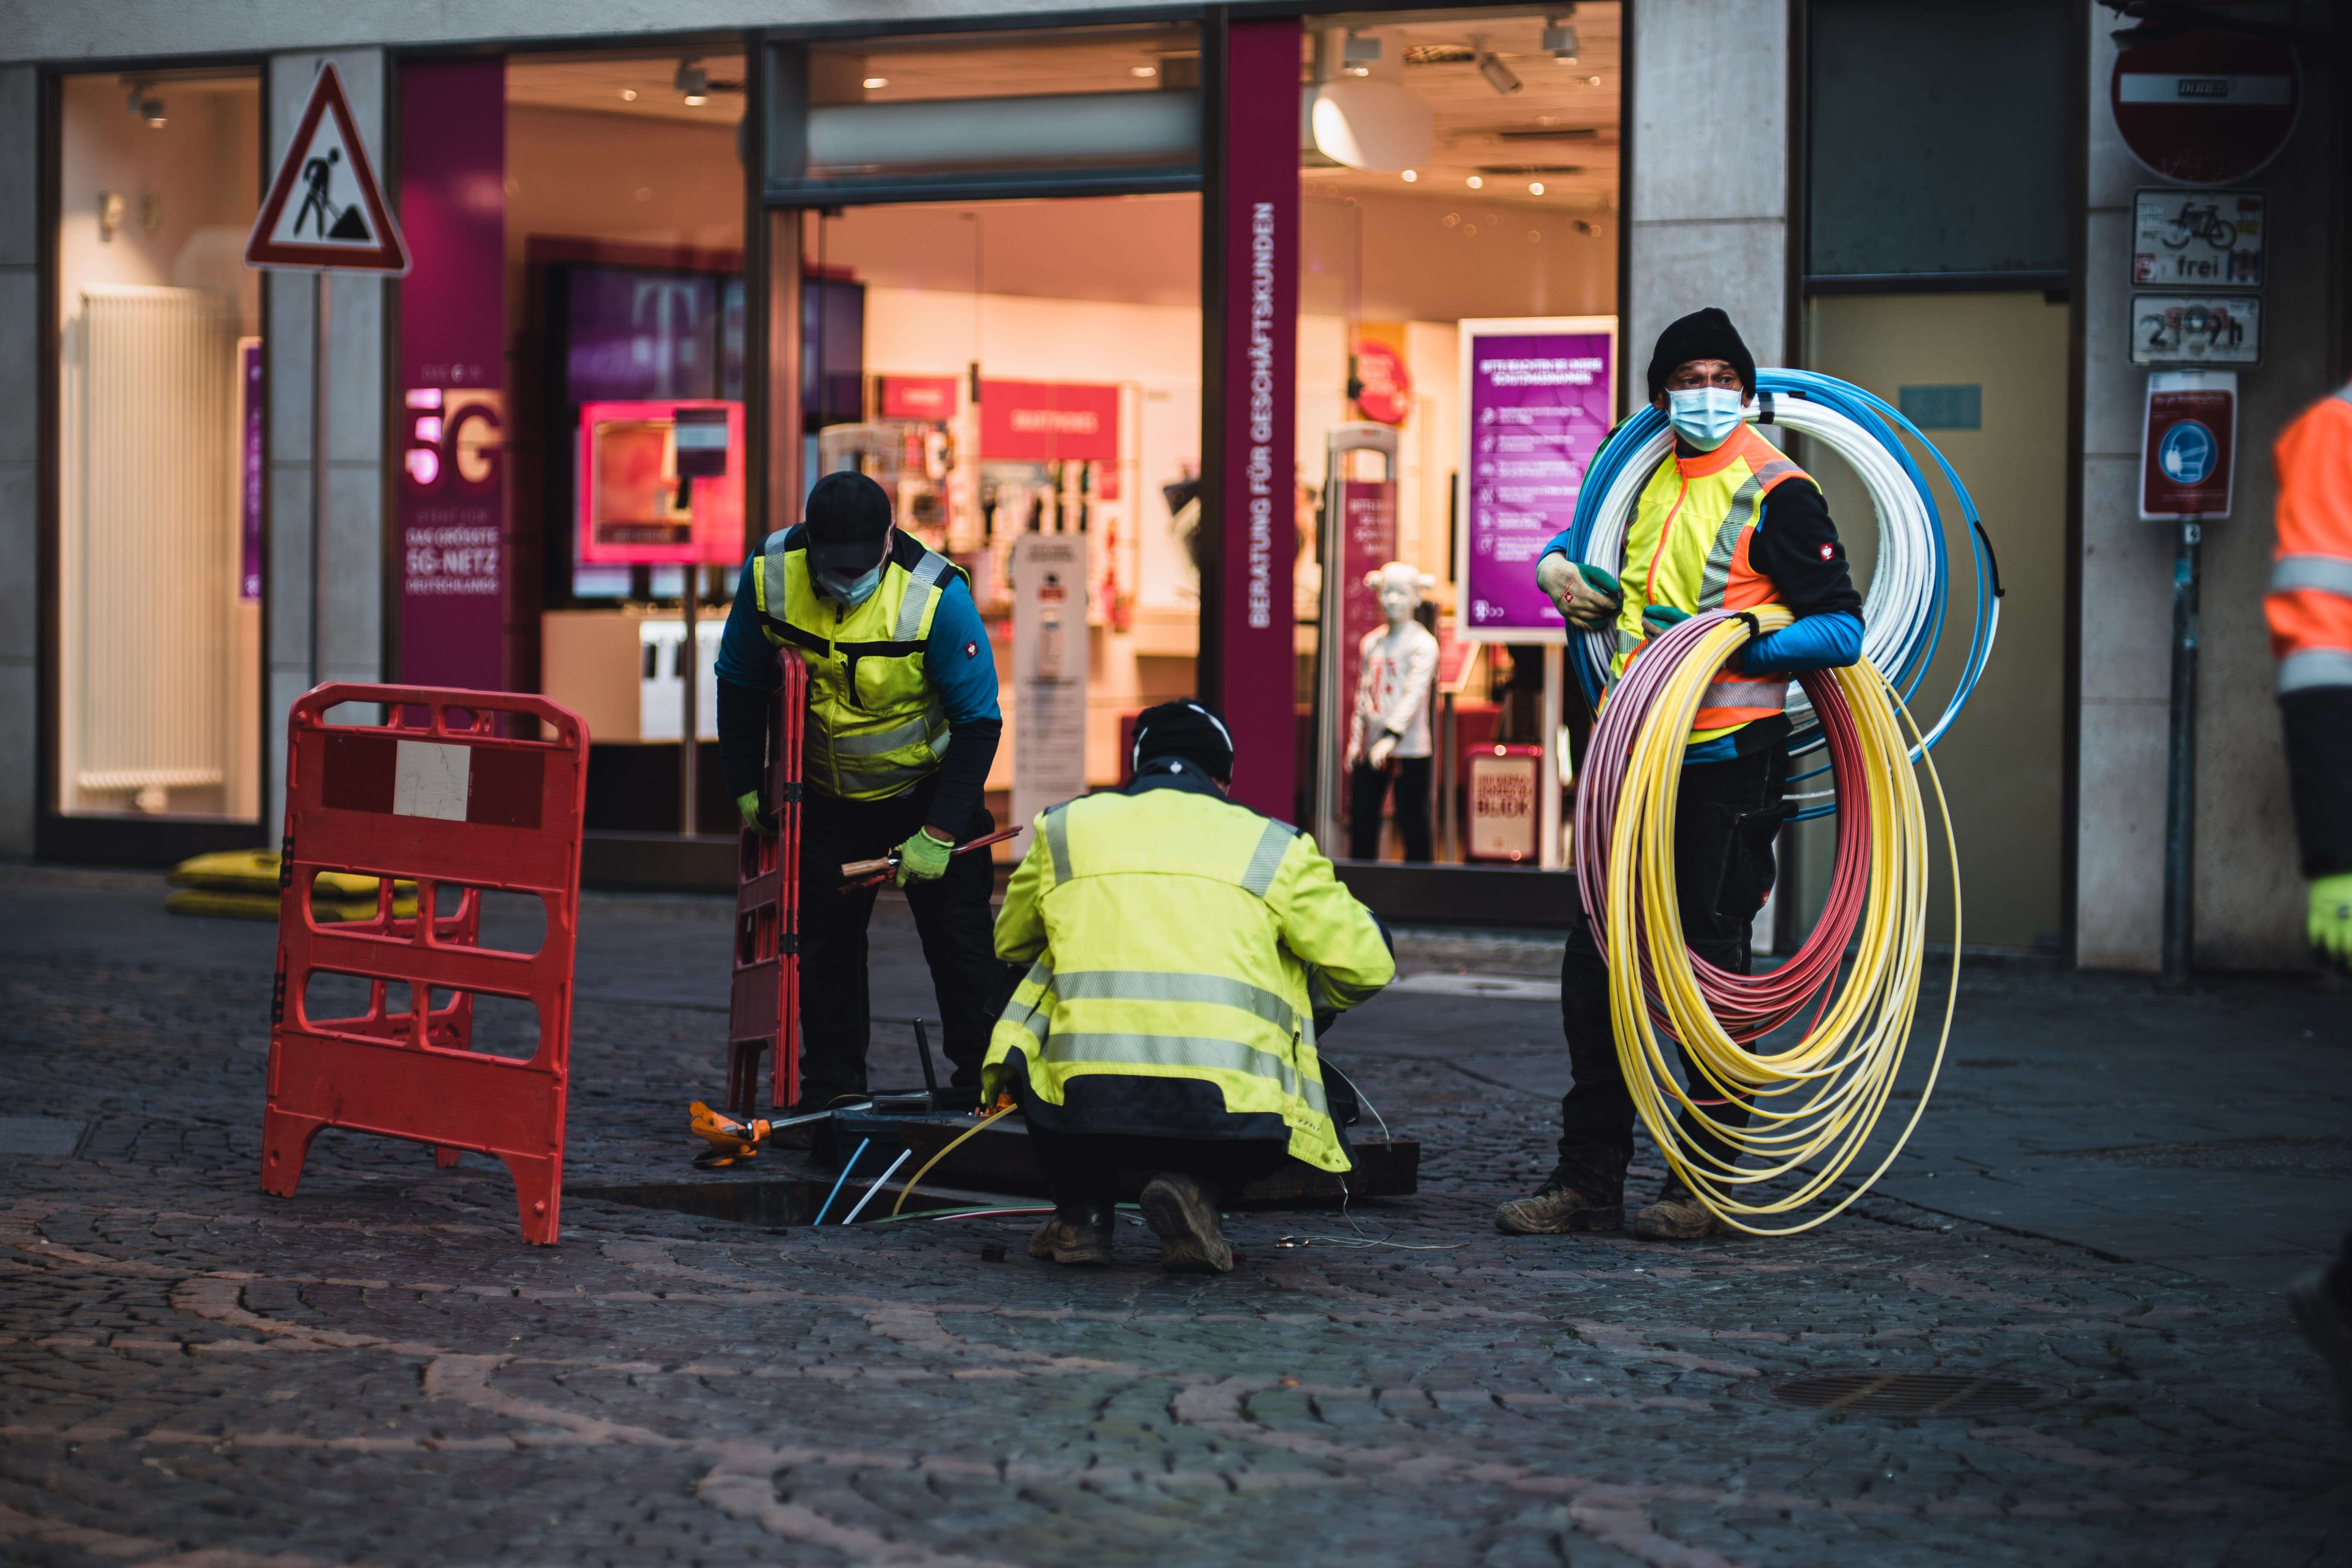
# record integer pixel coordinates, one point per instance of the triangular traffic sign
(324, 211)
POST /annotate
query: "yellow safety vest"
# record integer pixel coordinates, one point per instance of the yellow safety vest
(1175, 935)
(1688, 546)
(876, 726)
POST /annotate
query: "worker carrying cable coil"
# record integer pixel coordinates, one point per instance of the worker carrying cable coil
(1726, 522)
(1180, 948)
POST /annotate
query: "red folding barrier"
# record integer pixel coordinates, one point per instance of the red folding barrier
(437, 796)
(764, 1005)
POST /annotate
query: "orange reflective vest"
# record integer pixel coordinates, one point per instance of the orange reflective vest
(1688, 547)
(2310, 603)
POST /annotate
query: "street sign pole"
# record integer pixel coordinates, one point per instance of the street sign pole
(2180, 773)
(319, 385)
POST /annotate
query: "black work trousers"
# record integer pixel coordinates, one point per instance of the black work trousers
(1365, 788)
(1082, 1169)
(952, 916)
(1725, 819)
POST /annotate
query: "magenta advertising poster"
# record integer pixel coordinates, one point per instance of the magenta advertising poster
(1540, 395)
(249, 475)
(453, 601)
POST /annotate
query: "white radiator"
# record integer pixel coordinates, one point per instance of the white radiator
(149, 546)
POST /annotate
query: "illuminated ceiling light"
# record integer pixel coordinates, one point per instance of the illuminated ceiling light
(1143, 71)
(1476, 184)
(873, 82)
(1535, 187)
(693, 83)
(628, 95)
(1410, 175)
(151, 110)
(1559, 40)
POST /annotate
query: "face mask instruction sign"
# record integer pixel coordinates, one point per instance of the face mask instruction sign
(1539, 397)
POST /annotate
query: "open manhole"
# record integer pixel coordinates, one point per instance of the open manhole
(1910, 1393)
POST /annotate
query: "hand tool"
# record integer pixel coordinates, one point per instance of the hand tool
(868, 873)
(735, 1142)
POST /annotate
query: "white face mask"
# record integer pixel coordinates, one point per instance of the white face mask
(851, 591)
(1705, 416)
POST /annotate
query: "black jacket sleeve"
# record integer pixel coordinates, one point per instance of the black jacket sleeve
(2319, 775)
(742, 738)
(963, 775)
(1796, 545)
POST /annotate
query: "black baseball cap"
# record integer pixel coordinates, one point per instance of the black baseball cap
(849, 518)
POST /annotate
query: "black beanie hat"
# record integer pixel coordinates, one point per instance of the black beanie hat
(848, 515)
(1701, 334)
(1187, 729)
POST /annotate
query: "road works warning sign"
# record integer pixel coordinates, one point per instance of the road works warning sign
(325, 211)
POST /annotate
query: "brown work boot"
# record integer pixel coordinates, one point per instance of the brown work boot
(1677, 1216)
(1182, 1214)
(1075, 1236)
(1557, 1211)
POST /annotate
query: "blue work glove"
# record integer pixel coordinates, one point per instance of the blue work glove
(923, 858)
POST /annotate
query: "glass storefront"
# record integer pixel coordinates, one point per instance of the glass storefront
(159, 458)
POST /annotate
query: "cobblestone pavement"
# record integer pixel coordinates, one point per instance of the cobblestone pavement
(379, 1371)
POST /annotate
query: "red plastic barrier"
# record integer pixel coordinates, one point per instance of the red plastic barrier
(764, 1005)
(437, 796)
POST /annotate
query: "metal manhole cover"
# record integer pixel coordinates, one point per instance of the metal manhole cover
(1910, 1394)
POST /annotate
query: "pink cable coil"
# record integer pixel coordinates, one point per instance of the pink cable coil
(1748, 1006)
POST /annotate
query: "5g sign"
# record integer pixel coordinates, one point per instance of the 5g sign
(454, 438)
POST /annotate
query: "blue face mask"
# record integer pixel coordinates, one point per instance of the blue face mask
(1705, 416)
(851, 591)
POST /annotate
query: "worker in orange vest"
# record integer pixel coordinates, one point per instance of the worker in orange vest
(2310, 611)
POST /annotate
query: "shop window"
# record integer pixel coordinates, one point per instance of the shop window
(1458, 171)
(1118, 107)
(159, 463)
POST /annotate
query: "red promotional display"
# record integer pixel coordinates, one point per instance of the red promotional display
(1048, 421)
(764, 1004)
(2205, 108)
(918, 397)
(439, 799)
(660, 483)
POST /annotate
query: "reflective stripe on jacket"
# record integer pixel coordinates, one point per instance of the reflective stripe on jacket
(876, 727)
(1175, 935)
(2310, 603)
(1687, 548)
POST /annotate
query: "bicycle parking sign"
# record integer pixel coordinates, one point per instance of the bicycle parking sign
(2198, 239)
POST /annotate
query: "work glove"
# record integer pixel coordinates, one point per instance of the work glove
(1657, 619)
(1587, 596)
(923, 858)
(2331, 919)
(749, 805)
(1384, 747)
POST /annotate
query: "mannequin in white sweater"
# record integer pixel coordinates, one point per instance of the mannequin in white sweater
(1388, 733)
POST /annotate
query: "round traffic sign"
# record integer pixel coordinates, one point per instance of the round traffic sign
(2187, 453)
(2205, 108)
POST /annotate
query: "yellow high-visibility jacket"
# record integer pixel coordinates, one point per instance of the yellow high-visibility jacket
(1178, 946)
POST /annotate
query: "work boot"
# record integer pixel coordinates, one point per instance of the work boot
(1557, 1210)
(2319, 1315)
(1075, 1236)
(1677, 1216)
(1182, 1214)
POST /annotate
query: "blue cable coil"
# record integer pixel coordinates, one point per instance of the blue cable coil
(1644, 439)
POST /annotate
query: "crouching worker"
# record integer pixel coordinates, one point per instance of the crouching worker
(1179, 947)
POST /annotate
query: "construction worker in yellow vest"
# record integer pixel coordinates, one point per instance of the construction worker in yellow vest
(1179, 948)
(902, 725)
(1727, 523)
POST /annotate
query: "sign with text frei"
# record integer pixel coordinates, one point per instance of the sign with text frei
(1538, 400)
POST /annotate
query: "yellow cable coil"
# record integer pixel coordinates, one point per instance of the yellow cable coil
(1843, 1068)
